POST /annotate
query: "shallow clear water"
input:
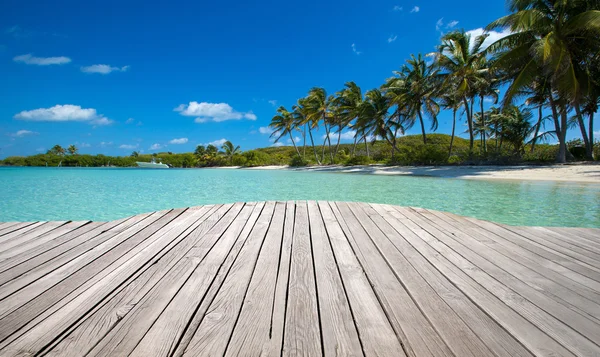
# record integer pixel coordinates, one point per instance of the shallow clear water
(28, 194)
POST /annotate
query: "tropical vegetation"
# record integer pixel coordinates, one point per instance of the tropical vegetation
(549, 63)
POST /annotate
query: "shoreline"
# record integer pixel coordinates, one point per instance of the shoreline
(575, 173)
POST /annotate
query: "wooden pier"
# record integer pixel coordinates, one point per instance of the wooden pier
(298, 279)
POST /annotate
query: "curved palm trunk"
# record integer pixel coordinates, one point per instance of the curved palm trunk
(482, 124)
(586, 140)
(561, 157)
(313, 146)
(537, 128)
(469, 124)
(294, 143)
(367, 146)
(337, 146)
(422, 126)
(453, 128)
(354, 146)
(304, 139)
(326, 141)
(591, 129)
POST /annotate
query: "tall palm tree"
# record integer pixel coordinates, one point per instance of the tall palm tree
(414, 87)
(300, 115)
(318, 109)
(230, 150)
(57, 150)
(349, 101)
(451, 100)
(284, 124)
(375, 120)
(459, 57)
(552, 39)
(72, 149)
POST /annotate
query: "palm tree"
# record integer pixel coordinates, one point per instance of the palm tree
(284, 124)
(460, 59)
(554, 39)
(200, 151)
(375, 120)
(135, 154)
(414, 87)
(230, 150)
(318, 109)
(451, 100)
(349, 101)
(516, 127)
(72, 149)
(57, 150)
(301, 117)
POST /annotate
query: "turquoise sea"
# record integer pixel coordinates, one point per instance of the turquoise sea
(28, 194)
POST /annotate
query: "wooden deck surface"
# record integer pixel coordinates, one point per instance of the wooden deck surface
(298, 279)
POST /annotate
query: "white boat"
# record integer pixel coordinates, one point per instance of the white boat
(152, 165)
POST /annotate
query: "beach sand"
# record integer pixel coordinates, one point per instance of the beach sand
(582, 173)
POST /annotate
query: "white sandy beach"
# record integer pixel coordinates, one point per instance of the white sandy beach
(583, 173)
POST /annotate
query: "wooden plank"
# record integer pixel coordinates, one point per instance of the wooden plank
(376, 333)
(444, 259)
(41, 239)
(14, 239)
(215, 286)
(33, 269)
(455, 332)
(101, 286)
(20, 228)
(571, 237)
(578, 284)
(8, 227)
(417, 335)
(62, 285)
(252, 332)
(498, 340)
(554, 319)
(21, 263)
(213, 334)
(302, 335)
(504, 236)
(124, 338)
(340, 336)
(84, 336)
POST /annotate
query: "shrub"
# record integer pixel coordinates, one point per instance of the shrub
(298, 161)
(358, 160)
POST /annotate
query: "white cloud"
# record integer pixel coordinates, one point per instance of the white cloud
(451, 24)
(41, 61)
(273, 102)
(297, 139)
(392, 38)
(265, 130)
(415, 9)
(439, 25)
(103, 69)
(597, 133)
(217, 143)
(83, 145)
(493, 36)
(128, 147)
(129, 121)
(277, 144)
(64, 113)
(354, 50)
(104, 144)
(40, 149)
(398, 8)
(179, 141)
(216, 112)
(22, 133)
(346, 136)
(155, 147)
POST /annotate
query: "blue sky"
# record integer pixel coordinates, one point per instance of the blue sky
(117, 76)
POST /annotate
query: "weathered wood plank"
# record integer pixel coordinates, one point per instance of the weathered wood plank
(455, 332)
(340, 336)
(32, 234)
(62, 285)
(21, 228)
(415, 332)
(302, 335)
(444, 259)
(41, 239)
(101, 286)
(252, 332)
(212, 336)
(509, 289)
(81, 338)
(9, 227)
(376, 333)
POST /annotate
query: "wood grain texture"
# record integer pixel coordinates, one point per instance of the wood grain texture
(298, 279)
